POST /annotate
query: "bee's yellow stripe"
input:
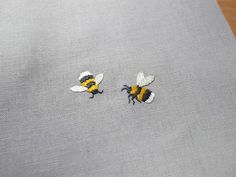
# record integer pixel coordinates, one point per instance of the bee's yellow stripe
(140, 95)
(94, 87)
(85, 83)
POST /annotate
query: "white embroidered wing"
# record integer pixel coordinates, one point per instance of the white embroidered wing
(99, 78)
(78, 88)
(144, 81)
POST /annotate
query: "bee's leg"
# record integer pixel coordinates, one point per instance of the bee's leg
(100, 92)
(92, 96)
(129, 98)
(133, 97)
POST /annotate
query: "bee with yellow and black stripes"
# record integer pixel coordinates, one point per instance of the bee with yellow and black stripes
(89, 83)
(139, 91)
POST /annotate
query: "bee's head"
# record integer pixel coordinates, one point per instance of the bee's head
(127, 88)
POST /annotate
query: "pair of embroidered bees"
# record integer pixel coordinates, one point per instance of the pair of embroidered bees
(90, 84)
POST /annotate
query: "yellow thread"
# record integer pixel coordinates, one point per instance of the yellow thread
(140, 95)
(133, 89)
(91, 89)
(85, 83)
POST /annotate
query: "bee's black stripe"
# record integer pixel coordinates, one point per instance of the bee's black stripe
(86, 78)
(138, 90)
(90, 84)
(146, 95)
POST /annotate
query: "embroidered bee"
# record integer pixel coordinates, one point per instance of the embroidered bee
(139, 91)
(89, 83)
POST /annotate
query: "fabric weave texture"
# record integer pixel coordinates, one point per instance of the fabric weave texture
(46, 130)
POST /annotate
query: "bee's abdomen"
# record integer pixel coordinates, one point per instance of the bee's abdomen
(90, 84)
(146, 95)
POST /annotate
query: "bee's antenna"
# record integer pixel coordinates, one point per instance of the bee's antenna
(125, 88)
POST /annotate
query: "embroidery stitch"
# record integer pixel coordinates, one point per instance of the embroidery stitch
(139, 91)
(89, 83)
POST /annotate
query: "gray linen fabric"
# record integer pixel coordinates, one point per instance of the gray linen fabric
(48, 131)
